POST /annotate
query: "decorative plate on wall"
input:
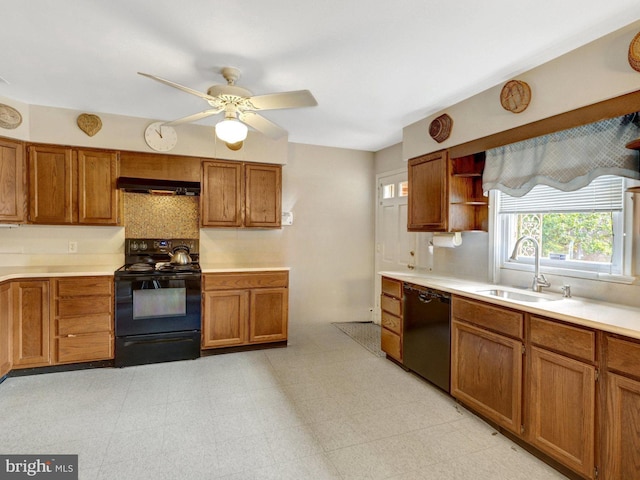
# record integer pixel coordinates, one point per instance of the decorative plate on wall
(9, 117)
(89, 124)
(634, 53)
(440, 128)
(515, 96)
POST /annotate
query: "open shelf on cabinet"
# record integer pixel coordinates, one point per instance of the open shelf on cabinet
(468, 208)
(469, 166)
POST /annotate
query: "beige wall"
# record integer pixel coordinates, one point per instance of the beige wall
(330, 191)
(59, 126)
(389, 159)
(463, 261)
(329, 247)
(595, 72)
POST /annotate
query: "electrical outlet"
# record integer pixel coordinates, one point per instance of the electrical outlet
(73, 247)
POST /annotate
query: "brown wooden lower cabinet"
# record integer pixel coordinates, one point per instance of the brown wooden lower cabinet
(60, 320)
(82, 321)
(244, 308)
(562, 409)
(391, 318)
(621, 426)
(268, 309)
(486, 360)
(224, 316)
(486, 373)
(552, 404)
(562, 388)
(6, 340)
(621, 459)
(30, 312)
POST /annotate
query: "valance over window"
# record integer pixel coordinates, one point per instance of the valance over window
(566, 160)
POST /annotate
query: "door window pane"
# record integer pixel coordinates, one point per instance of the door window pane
(403, 188)
(389, 190)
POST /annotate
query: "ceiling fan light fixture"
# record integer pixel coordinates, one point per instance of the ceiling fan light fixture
(231, 131)
(234, 146)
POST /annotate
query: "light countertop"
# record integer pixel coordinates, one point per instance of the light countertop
(609, 317)
(216, 269)
(12, 273)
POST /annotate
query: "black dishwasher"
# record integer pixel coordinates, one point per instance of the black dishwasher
(427, 333)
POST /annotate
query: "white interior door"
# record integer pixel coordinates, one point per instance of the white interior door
(395, 247)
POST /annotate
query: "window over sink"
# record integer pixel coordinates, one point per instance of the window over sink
(581, 233)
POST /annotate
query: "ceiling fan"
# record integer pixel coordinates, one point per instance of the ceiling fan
(240, 107)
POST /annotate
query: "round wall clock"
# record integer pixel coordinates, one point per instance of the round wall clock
(160, 138)
(515, 96)
(9, 117)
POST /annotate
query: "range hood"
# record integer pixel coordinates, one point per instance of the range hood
(149, 185)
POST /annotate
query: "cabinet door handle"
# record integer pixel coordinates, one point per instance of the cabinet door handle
(71, 335)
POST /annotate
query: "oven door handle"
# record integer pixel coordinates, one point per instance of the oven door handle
(129, 343)
(159, 278)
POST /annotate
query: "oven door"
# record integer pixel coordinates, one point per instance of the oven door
(157, 304)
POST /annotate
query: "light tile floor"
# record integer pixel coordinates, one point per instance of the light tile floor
(322, 408)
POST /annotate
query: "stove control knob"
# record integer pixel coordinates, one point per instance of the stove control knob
(143, 246)
(134, 246)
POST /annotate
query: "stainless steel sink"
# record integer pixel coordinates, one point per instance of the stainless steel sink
(518, 296)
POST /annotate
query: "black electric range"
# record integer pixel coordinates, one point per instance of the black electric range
(157, 303)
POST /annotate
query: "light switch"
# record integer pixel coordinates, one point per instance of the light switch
(287, 218)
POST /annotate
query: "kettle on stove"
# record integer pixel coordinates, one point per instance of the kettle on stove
(180, 255)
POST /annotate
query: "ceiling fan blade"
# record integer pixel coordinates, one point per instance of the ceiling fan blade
(262, 125)
(179, 87)
(195, 117)
(273, 101)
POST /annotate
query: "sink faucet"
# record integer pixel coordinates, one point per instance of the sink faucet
(538, 279)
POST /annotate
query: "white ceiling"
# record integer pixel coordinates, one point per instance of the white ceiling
(374, 66)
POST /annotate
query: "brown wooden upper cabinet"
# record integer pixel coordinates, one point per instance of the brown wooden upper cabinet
(72, 186)
(263, 195)
(236, 194)
(445, 194)
(428, 176)
(12, 181)
(97, 193)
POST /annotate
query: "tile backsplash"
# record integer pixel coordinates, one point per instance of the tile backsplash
(161, 216)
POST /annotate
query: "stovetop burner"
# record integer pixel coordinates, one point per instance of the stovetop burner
(139, 267)
(152, 256)
(158, 268)
(169, 267)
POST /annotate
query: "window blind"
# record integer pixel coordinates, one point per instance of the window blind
(605, 193)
